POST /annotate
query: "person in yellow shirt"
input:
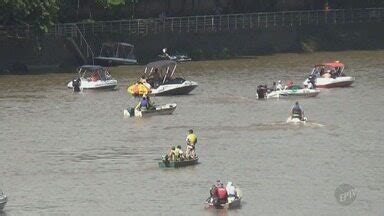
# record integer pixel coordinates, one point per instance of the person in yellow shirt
(191, 144)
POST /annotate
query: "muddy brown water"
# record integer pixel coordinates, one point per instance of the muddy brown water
(75, 154)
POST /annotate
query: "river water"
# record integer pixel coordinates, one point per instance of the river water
(74, 154)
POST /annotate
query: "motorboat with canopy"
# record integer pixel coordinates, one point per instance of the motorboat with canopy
(329, 75)
(93, 77)
(161, 80)
(116, 53)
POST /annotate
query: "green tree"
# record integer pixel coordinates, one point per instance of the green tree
(38, 13)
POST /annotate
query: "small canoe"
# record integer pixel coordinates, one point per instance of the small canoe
(232, 205)
(166, 109)
(176, 164)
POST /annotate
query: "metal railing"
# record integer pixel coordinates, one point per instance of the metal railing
(225, 23)
(72, 32)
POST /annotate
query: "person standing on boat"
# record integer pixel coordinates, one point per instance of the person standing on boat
(297, 111)
(191, 142)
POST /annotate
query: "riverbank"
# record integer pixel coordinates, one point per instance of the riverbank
(201, 46)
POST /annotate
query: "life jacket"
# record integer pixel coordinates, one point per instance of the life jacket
(222, 193)
(296, 112)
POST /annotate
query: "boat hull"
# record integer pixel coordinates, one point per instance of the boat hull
(174, 89)
(333, 82)
(176, 164)
(98, 85)
(166, 109)
(294, 93)
(232, 205)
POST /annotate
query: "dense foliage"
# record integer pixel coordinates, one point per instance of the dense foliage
(42, 13)
(38, 13)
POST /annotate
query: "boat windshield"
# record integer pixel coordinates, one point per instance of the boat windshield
(94, 73)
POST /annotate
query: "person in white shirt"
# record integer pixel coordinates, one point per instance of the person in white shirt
(279, 86)
(231, 191)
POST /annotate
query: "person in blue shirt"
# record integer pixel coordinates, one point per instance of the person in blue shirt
(143, 104)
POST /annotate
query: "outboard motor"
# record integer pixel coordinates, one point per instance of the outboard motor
(131, 111)
(261, 91)
(76, 83)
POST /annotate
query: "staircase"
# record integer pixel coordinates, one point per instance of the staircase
(78, 43)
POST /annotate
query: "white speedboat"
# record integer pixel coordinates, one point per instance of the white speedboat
(3, 200)
(166, 109)
(294, 92)
(160, 76)
(296, 120)
(117, 53)
(329, 75)
(94, 77)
